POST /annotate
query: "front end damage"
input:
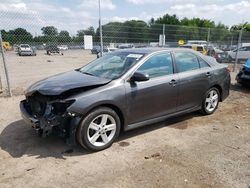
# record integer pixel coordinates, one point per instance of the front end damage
(49, 115)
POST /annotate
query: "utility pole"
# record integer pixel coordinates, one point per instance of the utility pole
(100, 27)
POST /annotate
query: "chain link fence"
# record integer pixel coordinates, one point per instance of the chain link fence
(38, 50)
(147, 34)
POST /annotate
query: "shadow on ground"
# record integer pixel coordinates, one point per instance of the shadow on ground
(19, 139)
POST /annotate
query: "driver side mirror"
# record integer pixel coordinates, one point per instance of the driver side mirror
(139, 77)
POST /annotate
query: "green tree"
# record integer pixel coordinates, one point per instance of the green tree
(246, 27)
(64, 36)
(80, 34)
(49, 31)
(88, 31)
(111, 32)
(168, 19)
(17, 36)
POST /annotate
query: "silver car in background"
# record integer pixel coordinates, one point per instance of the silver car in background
(26, 49)
(243, 53)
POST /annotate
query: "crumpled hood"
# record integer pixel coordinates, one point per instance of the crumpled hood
(60, 83)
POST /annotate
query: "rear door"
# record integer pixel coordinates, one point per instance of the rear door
(156, 97)
(194, 78)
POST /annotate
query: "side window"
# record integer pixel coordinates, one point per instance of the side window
(203, 63)
(186, 61)
(158, 65)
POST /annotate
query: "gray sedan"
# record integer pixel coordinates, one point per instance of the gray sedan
(124, 90)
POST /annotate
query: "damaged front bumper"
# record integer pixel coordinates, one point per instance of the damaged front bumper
(64, 125)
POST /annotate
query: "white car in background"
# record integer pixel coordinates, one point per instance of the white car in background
(63, 47)
(243, 53)
(25, 49)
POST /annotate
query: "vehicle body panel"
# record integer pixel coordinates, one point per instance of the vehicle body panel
(56, 85)
(144, 99)
(193, 85)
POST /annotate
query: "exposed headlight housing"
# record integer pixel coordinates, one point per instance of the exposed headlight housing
(60, 107)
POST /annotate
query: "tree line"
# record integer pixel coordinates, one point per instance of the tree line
(134, 31)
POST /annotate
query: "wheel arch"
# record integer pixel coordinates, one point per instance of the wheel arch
(113, 107)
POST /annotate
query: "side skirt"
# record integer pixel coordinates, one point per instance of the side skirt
(159, 119)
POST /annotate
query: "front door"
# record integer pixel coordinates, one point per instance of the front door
(156, 97)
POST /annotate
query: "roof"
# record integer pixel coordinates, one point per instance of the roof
(143, 50)
(152, 50)
(193, 45)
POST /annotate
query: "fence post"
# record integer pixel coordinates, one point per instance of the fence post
(208, 38)
(5, 65)
(163, 35)
(231, 44)
(100, 27)
(238, 46)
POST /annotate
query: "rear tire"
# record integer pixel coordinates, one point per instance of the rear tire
(211, 101)
(99, 129)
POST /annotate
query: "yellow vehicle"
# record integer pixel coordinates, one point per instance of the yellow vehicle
(7, 46)
(196, 47)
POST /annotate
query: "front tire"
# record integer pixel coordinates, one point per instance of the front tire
(211, 101)
(99, 129)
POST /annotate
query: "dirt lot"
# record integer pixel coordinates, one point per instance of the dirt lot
(25, 70)
(189, 151)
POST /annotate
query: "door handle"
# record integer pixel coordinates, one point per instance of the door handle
(173, 82)
(208, 74)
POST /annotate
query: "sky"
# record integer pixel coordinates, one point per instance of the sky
(73, 15)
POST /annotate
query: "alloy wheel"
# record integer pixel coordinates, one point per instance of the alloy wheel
(101, 130)
(212, 100)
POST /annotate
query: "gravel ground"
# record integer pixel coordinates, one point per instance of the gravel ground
(188, 151)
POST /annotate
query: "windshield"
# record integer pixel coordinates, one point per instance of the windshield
(24, 46)
(112, 65)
